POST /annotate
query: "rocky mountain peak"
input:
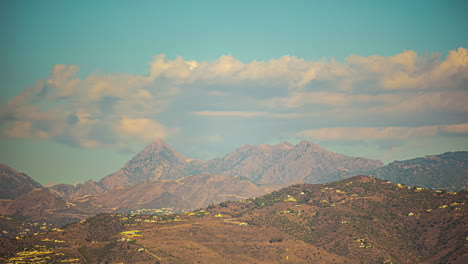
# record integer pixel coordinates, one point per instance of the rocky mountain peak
(158, 146)
(157, 161)
(307, 145)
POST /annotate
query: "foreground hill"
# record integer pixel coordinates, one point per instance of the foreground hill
(357, 220)
(13, 184)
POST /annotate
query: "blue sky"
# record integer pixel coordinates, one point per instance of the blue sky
(87, 84)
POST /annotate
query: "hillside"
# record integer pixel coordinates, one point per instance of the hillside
(189, 193)
(41, 206)
(357, 220)
(70, 192)
(444, 171)
(163, 196)
(13, 184)
(286, 164)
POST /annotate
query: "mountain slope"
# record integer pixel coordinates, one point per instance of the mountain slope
(70, 192)
(287, 164)
(189, 193)
(444, 171)
(158, 161)
(13, 184)
(41, 206)
(357, 220)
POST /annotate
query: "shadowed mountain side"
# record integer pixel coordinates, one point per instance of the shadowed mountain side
(445, 171)
(32, 202)
(189, 193)
(207, 188)
(13, 184)
(41, 206)
(70, 192)
(125, 198)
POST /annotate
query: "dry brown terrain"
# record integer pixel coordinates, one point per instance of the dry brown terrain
(358, 220)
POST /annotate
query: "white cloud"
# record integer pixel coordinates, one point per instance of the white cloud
(144, 129)
(230, 113)
(380, 133)
(105, 110)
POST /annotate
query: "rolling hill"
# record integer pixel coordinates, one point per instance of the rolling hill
(358, 220)
(445, 171)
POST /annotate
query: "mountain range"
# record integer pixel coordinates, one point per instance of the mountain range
(264, 164)
(160, 177)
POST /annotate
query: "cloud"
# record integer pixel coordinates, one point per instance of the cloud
(286, 95)
(456, 129)
(230, 113)
(144, 129)
(90, 112)
(246, 114)
(23, 130)
(381, 133)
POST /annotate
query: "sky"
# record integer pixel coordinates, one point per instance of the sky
(85, 85)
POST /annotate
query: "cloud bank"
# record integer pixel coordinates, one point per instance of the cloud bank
(396, 97)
